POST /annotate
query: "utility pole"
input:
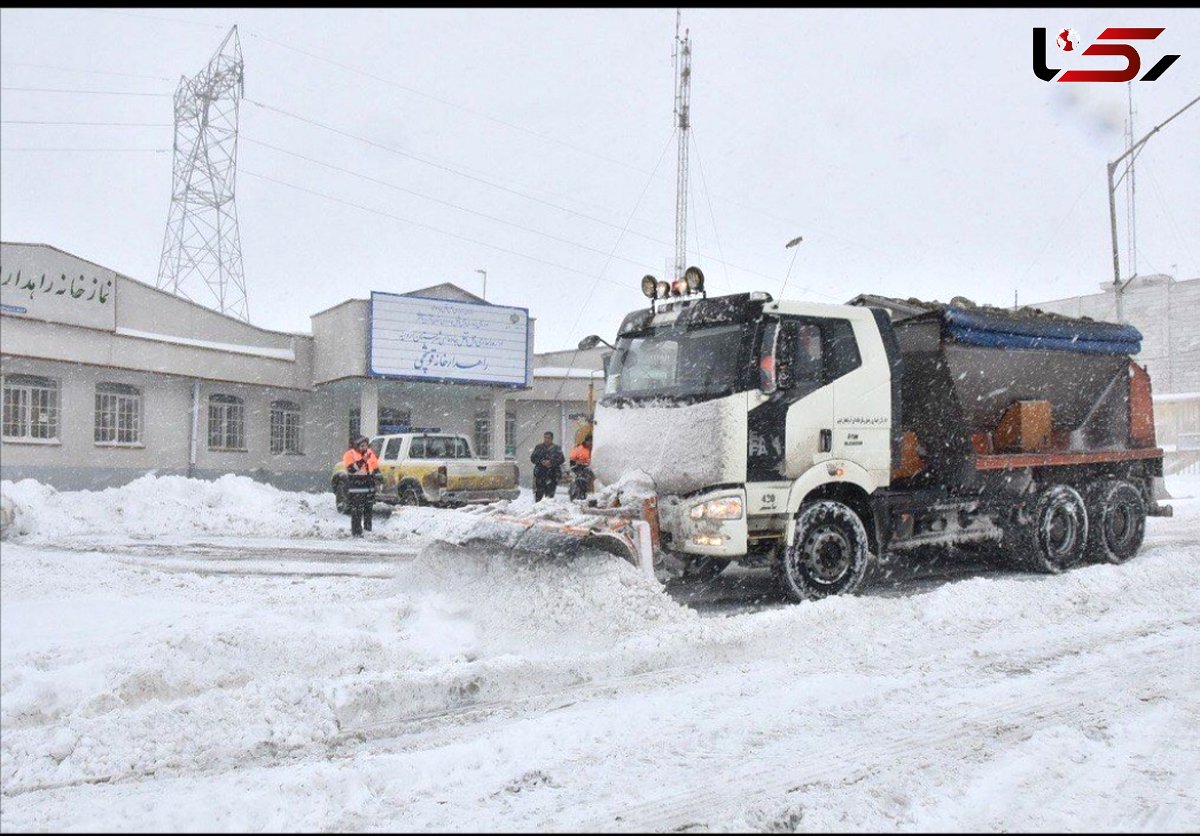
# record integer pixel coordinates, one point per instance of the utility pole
(683, 99)
(484, 274)
(1133, 150)
(202, 250)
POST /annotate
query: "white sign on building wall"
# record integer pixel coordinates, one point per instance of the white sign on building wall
(40, 282)
(439, 340)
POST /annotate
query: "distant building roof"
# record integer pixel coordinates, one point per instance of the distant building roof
(447, 291)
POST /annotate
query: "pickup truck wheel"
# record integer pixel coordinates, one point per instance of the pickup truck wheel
(1051, 536)
(829, 554)
(340, 498)
(1116, 521)
(409, 495)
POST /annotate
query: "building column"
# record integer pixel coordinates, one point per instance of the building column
(499, 411)
(368, 406)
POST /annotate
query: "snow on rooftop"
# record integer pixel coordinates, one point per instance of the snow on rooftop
(564, 371)
(232, 348)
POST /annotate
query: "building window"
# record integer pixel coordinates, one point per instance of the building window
(118, 414)
(226, 423)
(30, 408)
(286, 435)
(483, 435)
(510, 435)
(392, 420)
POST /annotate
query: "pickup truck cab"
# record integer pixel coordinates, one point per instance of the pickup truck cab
(433, 469)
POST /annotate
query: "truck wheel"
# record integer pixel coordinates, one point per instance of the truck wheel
(829, 554)
(1116, 521)
(340, 498)
(409, 495)
(703, 569)
(1052, 537)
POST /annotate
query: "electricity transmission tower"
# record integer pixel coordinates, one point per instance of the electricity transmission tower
(683, 100)
(202, 251)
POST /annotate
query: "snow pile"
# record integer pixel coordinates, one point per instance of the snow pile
(110, 671)
(538, 606)
(153, 507)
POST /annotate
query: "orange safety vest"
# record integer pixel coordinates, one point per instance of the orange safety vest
(582, 455)
(352, 456)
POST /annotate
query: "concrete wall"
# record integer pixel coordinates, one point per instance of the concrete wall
(340, 336)
(75, 461)
(1168, 315)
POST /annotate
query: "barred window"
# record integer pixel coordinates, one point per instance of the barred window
(118, 414)
(286, 433)
(226, 423)
(510, 435)
(30, 408)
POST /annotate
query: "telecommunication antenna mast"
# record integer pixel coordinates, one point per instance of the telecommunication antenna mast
(202, 250)
(683, 99)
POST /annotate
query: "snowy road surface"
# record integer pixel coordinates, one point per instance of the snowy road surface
(160, 668)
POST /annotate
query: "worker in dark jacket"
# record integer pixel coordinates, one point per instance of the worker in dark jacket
(361, 466)
(547, 461)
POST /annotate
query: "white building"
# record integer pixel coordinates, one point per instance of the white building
(106, 378)
(1167, 312)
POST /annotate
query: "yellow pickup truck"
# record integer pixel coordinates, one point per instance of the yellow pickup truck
(433, 469)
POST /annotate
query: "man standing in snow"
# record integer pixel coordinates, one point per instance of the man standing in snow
(361, 467)
(547, 461)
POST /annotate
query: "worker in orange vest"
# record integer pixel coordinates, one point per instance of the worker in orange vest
(581, 471)
(361, 466)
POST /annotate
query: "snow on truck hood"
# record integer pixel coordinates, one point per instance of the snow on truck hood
(682, 448)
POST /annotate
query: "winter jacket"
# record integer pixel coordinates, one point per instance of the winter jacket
(547, 451)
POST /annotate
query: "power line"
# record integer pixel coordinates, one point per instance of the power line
(159, 17)
(475, 212)
(389, 215)
(452, 170)
(599, 276)
(94, 124)
(422, 94)
(443, 167)
(711, 214)
(31, 148)
(91, 92)
(83, 70)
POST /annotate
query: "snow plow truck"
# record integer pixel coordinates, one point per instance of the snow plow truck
(814, 437)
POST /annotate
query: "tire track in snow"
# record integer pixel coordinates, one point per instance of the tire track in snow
(742, 790)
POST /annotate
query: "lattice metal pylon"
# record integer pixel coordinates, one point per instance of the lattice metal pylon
(683, 102)
(202, 250)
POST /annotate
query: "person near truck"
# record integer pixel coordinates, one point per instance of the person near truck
(581, 472)
(547, 461)
(361, 466)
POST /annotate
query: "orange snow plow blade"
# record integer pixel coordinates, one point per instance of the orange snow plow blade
(608, 530)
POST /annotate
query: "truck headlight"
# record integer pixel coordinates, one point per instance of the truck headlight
(725, 508)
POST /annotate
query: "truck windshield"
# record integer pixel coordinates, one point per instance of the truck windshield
(670, 362)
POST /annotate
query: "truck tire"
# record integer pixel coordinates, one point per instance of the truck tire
(409, 495)
(829, 554)
(703, 569)
(1051, 536)
(1116, 521)
(340, 498)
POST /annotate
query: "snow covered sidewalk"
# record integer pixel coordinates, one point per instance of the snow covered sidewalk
(469, 690)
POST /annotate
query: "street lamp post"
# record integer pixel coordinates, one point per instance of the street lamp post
(484, 274)
(794, 242)
(1118, 286)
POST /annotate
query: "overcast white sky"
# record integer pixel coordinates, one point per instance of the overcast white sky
(915, 152)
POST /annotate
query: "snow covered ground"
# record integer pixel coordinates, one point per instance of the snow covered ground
(160, 668)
